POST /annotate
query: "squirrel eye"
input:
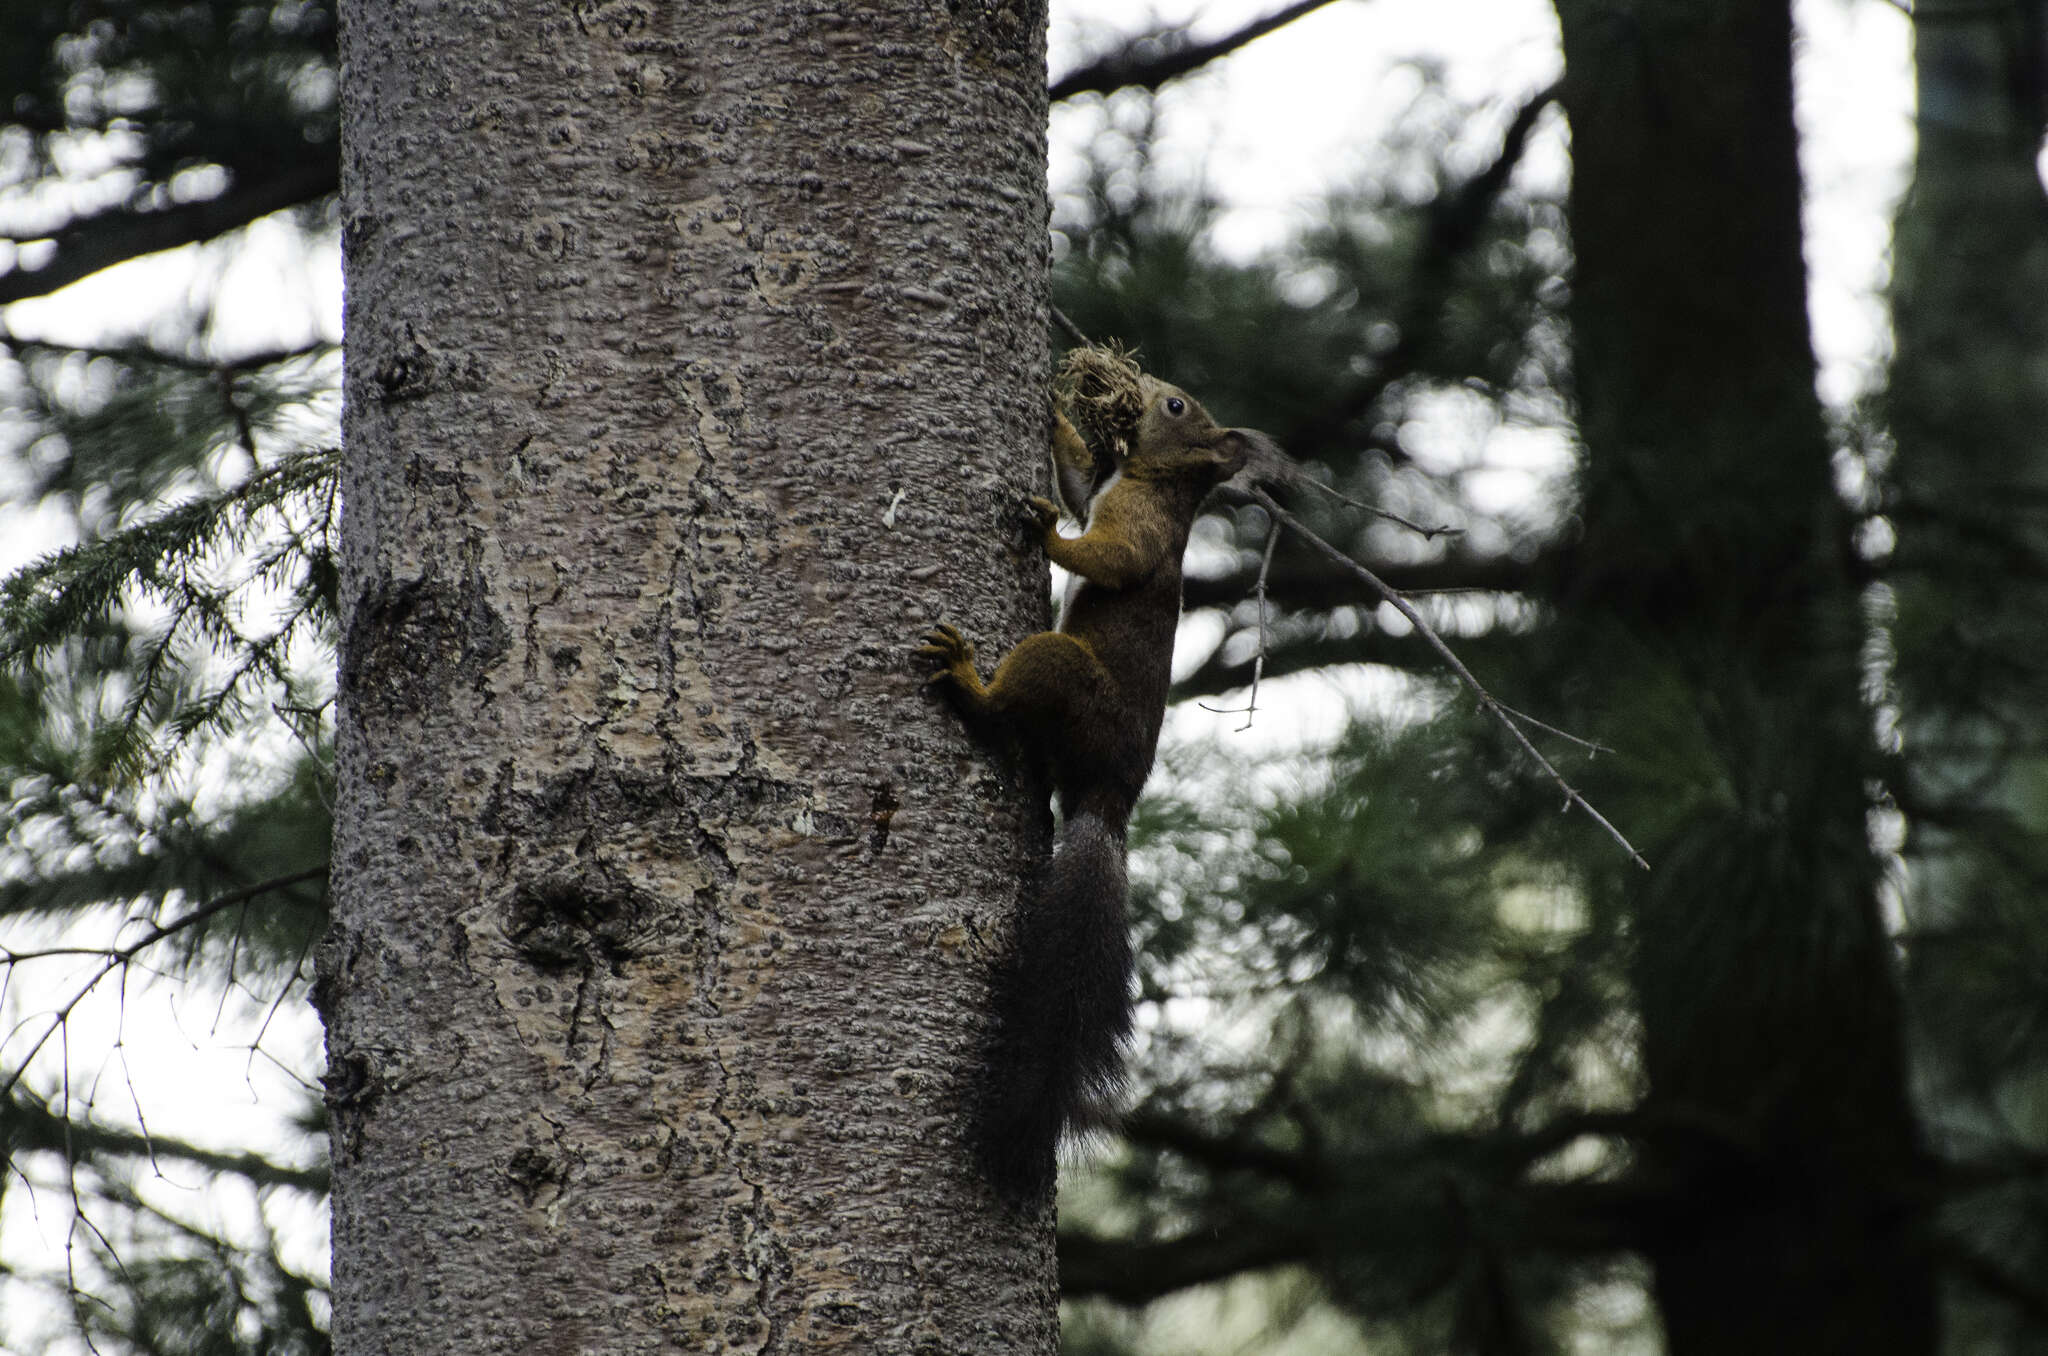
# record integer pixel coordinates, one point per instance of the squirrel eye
(1175, 406)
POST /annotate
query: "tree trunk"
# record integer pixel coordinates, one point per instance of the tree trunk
(1969, 414)
(695, 357)
(1714, 582)
(1968, 406)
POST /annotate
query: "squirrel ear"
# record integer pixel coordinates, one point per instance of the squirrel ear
(1248, 446)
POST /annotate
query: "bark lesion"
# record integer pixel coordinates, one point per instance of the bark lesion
(412, 642)
(579, 922)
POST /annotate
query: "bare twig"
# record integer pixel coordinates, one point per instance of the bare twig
(1428, 533)
(1589, 745)
(1069, 328)
(1259, 661)
(116, 958)
(1457, 666)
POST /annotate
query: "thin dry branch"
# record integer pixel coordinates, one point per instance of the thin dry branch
(1589, 745)
(1296, 475)
(1251, 704)
(1436, 642)
(1068, 328)
(1117, 375)
(119, 957)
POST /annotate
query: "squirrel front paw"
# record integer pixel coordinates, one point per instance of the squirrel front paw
(950, 654)
(1043, 517)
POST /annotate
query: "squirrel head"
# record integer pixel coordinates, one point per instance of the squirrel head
(1175, 438)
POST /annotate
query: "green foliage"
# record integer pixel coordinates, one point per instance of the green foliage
(165, 680)
(199, 561)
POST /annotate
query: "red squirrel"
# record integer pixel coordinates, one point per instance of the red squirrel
(1088, 697)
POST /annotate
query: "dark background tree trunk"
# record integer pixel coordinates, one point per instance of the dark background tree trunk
(1717, 578)
(695, 356)
(1967, 495)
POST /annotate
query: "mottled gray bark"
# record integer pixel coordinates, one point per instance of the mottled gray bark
(695, 356)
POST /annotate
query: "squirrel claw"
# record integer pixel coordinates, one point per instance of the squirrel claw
(946, 650)
(1043, 511)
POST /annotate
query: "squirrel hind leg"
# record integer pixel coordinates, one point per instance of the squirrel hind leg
(1051, 679)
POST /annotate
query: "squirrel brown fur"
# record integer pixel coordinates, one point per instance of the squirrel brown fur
(1088, 698)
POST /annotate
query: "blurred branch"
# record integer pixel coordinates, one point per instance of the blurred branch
(1297, 647)
(1218, 675)
(1402, 1186)
(1302, 585)
(141, 355)
(1985, 1174)
(1223, 1153)
(1137, 1272)
(1573, 1218)
(88, 244)
(1151, 59)
(30, 1125)
(1456, 216)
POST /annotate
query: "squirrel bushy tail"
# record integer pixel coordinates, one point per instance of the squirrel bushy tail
(1062, 1011)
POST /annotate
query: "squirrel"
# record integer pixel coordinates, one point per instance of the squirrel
(1089, 698)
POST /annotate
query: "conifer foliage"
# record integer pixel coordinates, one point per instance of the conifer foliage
(165, 673)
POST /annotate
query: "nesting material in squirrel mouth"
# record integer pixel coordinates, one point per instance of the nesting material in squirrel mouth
(1103, 389)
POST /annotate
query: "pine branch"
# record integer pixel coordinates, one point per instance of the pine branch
(31, 1125)
(1455, 219)
(48, 603)
(1150, 60)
